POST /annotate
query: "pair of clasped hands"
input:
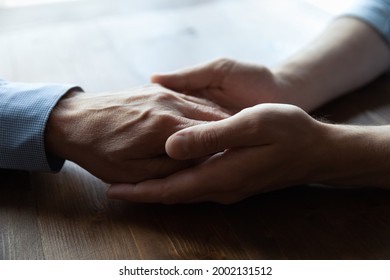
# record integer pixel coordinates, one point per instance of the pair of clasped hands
(210, 133)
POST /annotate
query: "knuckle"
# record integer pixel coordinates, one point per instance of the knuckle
(224, 65)
(164, 96)
(209, 139)
(222, 61)
(256, 129)
(166, 123)
(166, 118)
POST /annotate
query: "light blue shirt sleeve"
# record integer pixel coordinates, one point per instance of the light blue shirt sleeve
(24, 111)
(374, 12)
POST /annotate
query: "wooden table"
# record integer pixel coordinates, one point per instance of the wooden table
(109, 45)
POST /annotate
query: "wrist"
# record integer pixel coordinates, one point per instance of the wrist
(58, 127)
(353, 156)
(294, 82)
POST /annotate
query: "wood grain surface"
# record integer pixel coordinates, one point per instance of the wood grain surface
(105, 45)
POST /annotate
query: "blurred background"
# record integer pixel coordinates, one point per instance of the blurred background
(329, 5)
(114, 44)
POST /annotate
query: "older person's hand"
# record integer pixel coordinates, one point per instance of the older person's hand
(120, 136)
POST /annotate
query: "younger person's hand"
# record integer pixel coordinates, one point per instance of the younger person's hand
(231, 84)
(260, 149)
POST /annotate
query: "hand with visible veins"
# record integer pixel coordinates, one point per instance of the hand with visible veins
(120, 136)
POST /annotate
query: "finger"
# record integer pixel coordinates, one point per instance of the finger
(190, 106)
(138, 170)
(197, 109)
(201, 100)
(202, 112)
(182, 187)
(129, 192)
(210, 138)
(194, 78)
(153, 191)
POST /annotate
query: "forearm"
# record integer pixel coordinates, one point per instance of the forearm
(353, 156)
(346, 56)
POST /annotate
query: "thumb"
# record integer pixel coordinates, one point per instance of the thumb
(210, 138)
(194, 78)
